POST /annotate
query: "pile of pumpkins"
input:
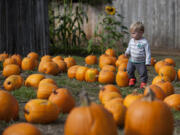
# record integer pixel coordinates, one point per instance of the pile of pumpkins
(133, 112)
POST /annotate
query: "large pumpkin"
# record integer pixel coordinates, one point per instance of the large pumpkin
(168, 71)
(33, 55)
(8, 61)
(13, 82)
(9, 109)
(63, 99)
(3, 56)
(109, 68)
(47, 80)
(90, 119)
(11, 69)
(122, 79)
(18, 59)
(107, 96)
(91, 59)
(28, 63)
(159, 78)
(50, 68)
(91, 75)
(159, 65)
(173, 101)
(149, 116)
(110, 52)
(62, 65)
(40, 111)
(170, 61)
(107, 60)
(107, 77)
(70, 61)
(45, 90)
(118, 110)
(33, 80)
(21, 129)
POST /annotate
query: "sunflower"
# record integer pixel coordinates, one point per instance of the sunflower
(110, 10)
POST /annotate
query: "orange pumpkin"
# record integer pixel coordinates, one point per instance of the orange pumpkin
(173, 101)
(122, 66)
(153, 61)
(28, 63)
(159, 78)
(107, 88)
(91, 59)
(9, 107)
(121, 61)
(22, 129)
(159, 93)
(80, 119)
(70, 61)
(62, 65)
(166, 86)
(72, 71)
(122, 79)
(168, 71)
(13, 82)
(91, 75)
(47, 80)
(33, 80)
(57, 58)
(159, 65)
(18, 59)
(106, 60)
(46, 58)
(50, 68)
(109, 68)
(80, 73)
(149, 116)
(122, 56)
(110, 52)
(40, 111)
(63, 99)
(118, 110)
(45, 90)
(106, 77)
(107, 96)
(11, 69)
(3, 56)
(170, 61)
(8, 61)
(33, 55)
(130, 98)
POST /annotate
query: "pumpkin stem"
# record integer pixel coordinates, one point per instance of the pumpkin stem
(84, 98)
(54, 91)
(150, 96)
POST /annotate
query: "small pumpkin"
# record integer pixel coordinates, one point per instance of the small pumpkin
(106, 77)
(91, 59)
(8, 61)
(11, 69)
(122, 78)
(70, 61)
(57, 58)
(149, 116)
(50, 68)
(107, 96)
(46, 58)
(107, 88)
(33, 80)
(18, 59)
(109, 68)
(110, 52)
(28, 63)
(121, 61)
(118, 110)
(63, 99)
(173, 101)
(130, 98)
(40, 111)
(91, 75)
(153, 61)
(170, 61)
(122, 66)
(80, 73)
(9, 107)
(33, 55)
(90, 118)
(122, 56)
(159, 93)
(47, 80)
(168, 71)
(62, 65)
(159, 78)
(13, 82)
(159, 65)
(107, 60)
(3, 56)
(72, 71)
(22, 129)
(45, 90)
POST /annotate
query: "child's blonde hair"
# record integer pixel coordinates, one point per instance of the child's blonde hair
(137, 26)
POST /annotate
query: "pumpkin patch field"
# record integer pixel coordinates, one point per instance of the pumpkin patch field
(73, 95)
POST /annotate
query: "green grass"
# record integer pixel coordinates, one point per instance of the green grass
(24, 94)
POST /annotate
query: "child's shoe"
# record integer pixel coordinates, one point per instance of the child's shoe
(132, 82)
(143, 84)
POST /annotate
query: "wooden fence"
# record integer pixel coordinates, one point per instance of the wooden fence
(24, 26)
(160, 17)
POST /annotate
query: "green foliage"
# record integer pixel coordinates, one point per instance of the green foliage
(109, 32)
(67, 34)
